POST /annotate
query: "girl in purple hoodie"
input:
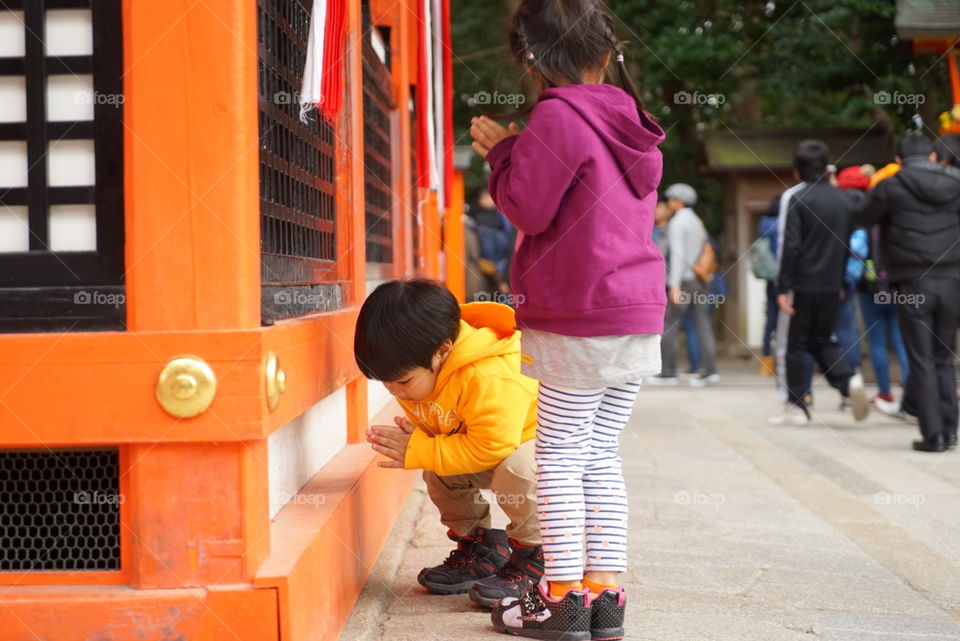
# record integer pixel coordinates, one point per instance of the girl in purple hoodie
(579, 183)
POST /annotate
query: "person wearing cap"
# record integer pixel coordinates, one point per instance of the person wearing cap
(686, 237)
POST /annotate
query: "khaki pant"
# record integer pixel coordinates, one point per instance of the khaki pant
(514, 484)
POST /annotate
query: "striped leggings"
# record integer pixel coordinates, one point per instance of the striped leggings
(580, 490)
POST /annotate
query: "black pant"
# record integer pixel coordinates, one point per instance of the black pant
(811, 331)
(928, 309)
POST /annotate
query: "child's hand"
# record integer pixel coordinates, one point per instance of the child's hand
(487, 132)
(391, 441)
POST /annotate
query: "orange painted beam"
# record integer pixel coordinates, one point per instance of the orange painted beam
(104, 381)
(316, 355)
(192, 160)
(237, 613)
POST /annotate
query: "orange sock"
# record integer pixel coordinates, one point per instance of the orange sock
(559, 590)
(597, 588)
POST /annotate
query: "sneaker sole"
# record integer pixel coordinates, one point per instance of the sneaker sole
(606, 634)
(545, 635)
(486, 602)
(445, 588)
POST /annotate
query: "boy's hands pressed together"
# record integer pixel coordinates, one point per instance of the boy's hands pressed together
(391, 441)
(487, 132)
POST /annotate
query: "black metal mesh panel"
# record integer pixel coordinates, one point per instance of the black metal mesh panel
(296, 159)
(377, 157)
(59, 510)
(298, 241)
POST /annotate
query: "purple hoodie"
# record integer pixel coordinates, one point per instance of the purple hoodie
(580, 184)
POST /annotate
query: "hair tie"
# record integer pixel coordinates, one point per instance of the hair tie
(619, 57)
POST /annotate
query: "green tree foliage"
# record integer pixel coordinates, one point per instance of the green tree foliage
(715, 64)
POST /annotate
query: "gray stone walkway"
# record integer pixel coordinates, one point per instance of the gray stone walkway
(739, 531)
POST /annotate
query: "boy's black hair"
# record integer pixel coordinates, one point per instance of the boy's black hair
(948, 149)
(564, 37)
(401, 325)
(810, 159)
(914, 145)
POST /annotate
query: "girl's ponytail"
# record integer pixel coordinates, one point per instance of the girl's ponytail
(623, 74)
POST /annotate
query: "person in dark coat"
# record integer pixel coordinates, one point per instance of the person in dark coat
(813, 259)
(918, 211)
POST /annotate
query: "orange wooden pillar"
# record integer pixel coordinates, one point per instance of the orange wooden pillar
(192, 256)
(454, 251)
(351, 174)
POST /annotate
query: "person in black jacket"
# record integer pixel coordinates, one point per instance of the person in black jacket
(918, 211)
(813, 259)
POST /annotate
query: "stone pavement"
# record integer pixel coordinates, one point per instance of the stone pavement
(739, 532)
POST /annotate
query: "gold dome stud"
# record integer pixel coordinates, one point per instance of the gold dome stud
(276, 380)
(186, 386)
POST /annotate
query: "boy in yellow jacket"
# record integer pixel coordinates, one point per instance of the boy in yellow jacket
(470, 421)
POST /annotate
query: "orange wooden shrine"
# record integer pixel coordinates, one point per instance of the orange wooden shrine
(212, 258)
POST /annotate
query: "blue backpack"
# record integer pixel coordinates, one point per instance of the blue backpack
(763, 263)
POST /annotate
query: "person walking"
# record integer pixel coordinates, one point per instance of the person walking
(686, 238)
(812, 266)
(918, 211)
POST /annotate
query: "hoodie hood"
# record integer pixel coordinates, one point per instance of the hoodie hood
(486, 329)
(629, 134)
(930, 182)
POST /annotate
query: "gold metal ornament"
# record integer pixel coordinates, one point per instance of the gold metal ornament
(276, 380)
(186, 386)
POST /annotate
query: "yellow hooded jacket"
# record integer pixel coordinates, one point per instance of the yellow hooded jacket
(482, 408)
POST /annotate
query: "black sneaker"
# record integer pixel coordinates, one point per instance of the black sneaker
(606, 615)
(524, 567)
(536, 616)
(478, 555)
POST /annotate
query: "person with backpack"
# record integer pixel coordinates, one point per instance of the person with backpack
(763, 264)
(691, 266)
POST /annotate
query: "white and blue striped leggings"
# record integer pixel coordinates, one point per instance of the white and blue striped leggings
(580, 490)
